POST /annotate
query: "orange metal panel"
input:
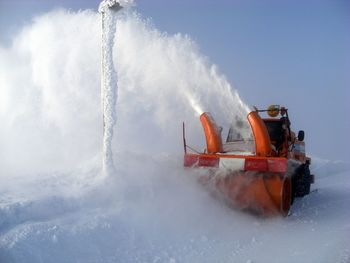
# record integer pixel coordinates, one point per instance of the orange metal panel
(261, 135)
(212, 133)
(266, 194)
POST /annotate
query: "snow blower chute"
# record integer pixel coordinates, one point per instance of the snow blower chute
(264, 174)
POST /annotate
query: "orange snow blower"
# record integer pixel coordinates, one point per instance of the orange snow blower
(263, 174)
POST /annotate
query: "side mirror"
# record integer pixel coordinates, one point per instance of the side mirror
(301, 136)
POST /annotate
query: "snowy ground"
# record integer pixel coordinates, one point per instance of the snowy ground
(166, 217)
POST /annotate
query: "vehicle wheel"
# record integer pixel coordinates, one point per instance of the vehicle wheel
(302, 180)
(298, 181)
(294, 186)
(307, 179)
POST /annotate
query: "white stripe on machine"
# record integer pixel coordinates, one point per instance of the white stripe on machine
(232, 163)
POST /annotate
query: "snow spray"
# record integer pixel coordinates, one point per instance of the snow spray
(163, 80)
(51, 140)
(109, 85)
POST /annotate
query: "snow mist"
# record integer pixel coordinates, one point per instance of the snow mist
(55, 124)
(51, 136)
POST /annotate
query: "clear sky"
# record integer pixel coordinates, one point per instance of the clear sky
(294, 53)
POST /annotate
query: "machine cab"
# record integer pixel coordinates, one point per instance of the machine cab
(276, 132)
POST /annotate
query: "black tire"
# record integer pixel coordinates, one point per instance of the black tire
(307, 179)
(302, 180)
(294, 186)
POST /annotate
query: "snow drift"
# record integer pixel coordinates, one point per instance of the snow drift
(56, 207)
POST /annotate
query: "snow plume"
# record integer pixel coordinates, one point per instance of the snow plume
(163, 81)
(109, 86)
(50, 110)
(51, 140)
(50, 94)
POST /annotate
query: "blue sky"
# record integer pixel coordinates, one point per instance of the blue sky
(294, 53)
